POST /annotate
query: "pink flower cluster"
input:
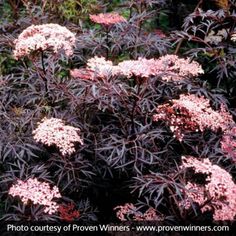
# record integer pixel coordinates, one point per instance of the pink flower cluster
(217, 195)
(130, 212)
(107, 19)
(228, 143)
(233, 37)
(97, 67)
(82, 73)
(101, 67)
(178, 120)
(169, 67)
(176, 68)
(54, 132)
(203, 114)
(44, 37)
(142, 67)
(37, 192)
(192, 113)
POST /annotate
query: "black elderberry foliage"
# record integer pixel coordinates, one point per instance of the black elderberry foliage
(126, 156)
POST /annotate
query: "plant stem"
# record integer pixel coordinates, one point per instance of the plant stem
(107, 43)
(42, 62)
(44, 72)
(198, 5)
(136, 99)
(178, 46)
(136, 50)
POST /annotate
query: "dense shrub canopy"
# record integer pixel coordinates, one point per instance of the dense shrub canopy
(114, 112)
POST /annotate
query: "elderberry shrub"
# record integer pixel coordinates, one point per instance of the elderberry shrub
(104, 119)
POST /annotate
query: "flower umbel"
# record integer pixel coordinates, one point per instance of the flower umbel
(82, 73)
(37, 192)
(130, 212)
(107, 19)
(44, 37)
(217, 195)
(169, 67)
(53, 131)
(233, 37)
(97, 67)
(101, 67)
(192, 113)
(228, 143)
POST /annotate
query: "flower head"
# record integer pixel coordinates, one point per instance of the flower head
(130, 212)
(107, 19)
(218, 194)
(82, 73)
(142, 67)
(37, 192)
(169, 67)
(54, 132)
(216, 38)
(44, 37)
(101, 67)
(179, 121)
(233, 37)
(97, 67)
(192, 113)
(228, 143)
(177, 68)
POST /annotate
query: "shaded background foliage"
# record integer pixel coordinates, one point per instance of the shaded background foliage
(126, 157)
